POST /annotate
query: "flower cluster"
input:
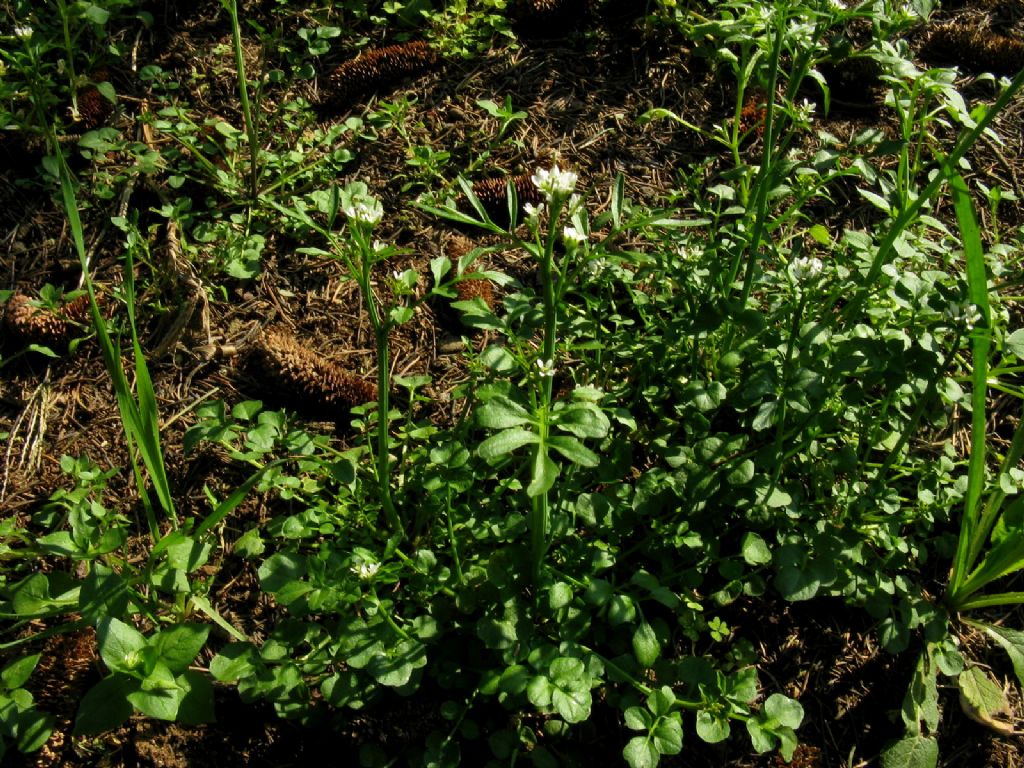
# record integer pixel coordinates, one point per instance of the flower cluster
(555, 182)
(573, 236)
(966, 315)
(366, 211)
(546, 368)
(806, 268)
(366, 571)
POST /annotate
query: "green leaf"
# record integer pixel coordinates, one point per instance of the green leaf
(712, 728)
(500, 412)
(103, 593)
(197, 705)
(638, 719)
(1015, 343)
(660, 701)
(668, 735)
(178, 646)
(784, 710)
(120, 645)
(755, 550)
(17, 673)
(582, 420)
(640, 753)
(60, 544)
(281, 569)
(574, 450)
(538, 692)
(105, 706)
(820, 234)
(545, 472)
(1012, 642)
(95, 13)
(645, 645)
(912, 752)
(981, 696)
(505, 442)
(34, 729)
(560, 595)
(395, 668)
(31, 596)
(161, 700)
(760, 738)
(235, 661)
(572, 705)
(570, 689)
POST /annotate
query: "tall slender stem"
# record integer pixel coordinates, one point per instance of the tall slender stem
(381, 329)
(243, 94)
(540, 513)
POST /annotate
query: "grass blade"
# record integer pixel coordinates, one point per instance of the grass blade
(973, 531)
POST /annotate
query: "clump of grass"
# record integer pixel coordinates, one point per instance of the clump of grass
(304, 380)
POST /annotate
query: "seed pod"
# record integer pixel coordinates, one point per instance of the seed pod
(375, 69)
(34, 324)
(492, 193)
(979, 50)
(297, 376)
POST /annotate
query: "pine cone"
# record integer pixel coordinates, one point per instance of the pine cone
(300, 378)
(93, 107)
(377, 68)
(468, 290)
(34, 324)
(979, 50)
(492, 193)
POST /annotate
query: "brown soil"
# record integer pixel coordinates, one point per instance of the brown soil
(583, 96)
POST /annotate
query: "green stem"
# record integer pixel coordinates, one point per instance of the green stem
(780, 428)
(381, 329)
(762, 182)
(243, 94)
(69, 53)
(540, 513)
(387, 618)
(451, 538)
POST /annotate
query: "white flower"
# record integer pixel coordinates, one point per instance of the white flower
(379, 247)
(366, 571)
(23, 32)
(366, 212)
(966, 314)
(547, 367)
(554, 182)
(597, 266)
(806, 268)
(573, 235)
(805, 111)
(534, 211)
